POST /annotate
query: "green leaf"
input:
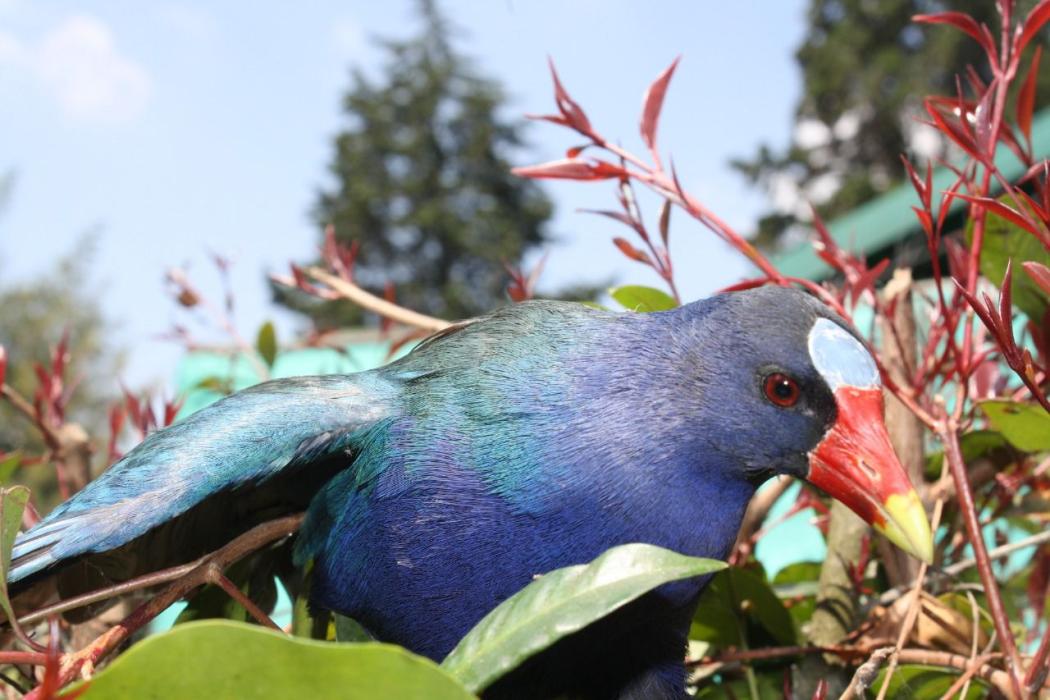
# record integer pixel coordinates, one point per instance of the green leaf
(12, 503)
(735, 600)
(8, 465)
(637, 298)
(917, 682)
(562, 602)
(266, 343)
(347, 629)
(974, 444)
(1026, 426)
(223, 659)
(1003, 241)
(220, 385)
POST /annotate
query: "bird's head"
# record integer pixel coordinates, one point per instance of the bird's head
(801, 395)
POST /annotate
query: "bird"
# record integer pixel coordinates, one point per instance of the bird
(533, 438)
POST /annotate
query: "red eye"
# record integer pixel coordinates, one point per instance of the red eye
(781, 389)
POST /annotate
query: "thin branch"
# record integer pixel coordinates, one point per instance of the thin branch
(82, 662)
(136, 584)
(35, 658)
(999, 552)
(957, 467)
(247, 603)
(381, 306)
(25, 408)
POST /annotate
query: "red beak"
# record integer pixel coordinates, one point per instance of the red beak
(855, 463)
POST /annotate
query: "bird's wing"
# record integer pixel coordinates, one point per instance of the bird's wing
(259, 453)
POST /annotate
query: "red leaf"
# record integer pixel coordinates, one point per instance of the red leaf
(1004, 210)
(60, 355)
(964, 23)
(570, 110)
(925, 220)
(983, 123)
(3, 364)
(632, 252)
(665, 221)
(1006, 298)
(653, 102)
(917, 183)
(116, 422)
(821, 691)
(1038, 587)
(571, 169)
(953, 128)
(553, 118)
(1033, 23)
(958, 260)
(618, 216)
(753, 283)
(575, 151)
(1039, 273)
(1026, 98)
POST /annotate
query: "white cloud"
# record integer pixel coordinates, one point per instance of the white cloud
(79, 65)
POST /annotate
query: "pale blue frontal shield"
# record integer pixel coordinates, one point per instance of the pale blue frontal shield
(840, 358)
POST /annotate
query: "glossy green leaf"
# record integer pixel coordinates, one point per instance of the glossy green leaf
(223, 659)
(1004, 241)
(634, 297)
(796, 585)
(12, 503)
(736, 600)
(974, 444)
(266, 343)
(562, 602)
(1026, 426)
(924, 683)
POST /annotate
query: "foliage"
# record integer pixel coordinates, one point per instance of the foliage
(34, 317)
(422, 186)
(235, 660)
(973, 386)
(560, 603)
(865, 68)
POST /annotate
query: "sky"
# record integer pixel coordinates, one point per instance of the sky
(175, 130)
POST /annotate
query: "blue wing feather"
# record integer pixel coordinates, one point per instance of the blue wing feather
(243, 440)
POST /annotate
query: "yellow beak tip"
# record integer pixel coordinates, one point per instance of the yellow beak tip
(906, 525)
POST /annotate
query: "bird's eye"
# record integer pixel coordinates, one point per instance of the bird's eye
(781, 389)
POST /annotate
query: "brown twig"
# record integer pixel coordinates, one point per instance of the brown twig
(1037, 672)
(223, 582)
(136, 584)
(35, 658)
(957, 467)
(25, 408)
(370, 301)
(209, 570)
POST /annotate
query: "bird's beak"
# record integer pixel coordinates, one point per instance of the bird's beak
(855, 463)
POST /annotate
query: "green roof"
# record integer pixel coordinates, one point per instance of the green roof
(889, 219)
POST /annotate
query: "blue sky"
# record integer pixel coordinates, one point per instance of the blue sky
(177, 129)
